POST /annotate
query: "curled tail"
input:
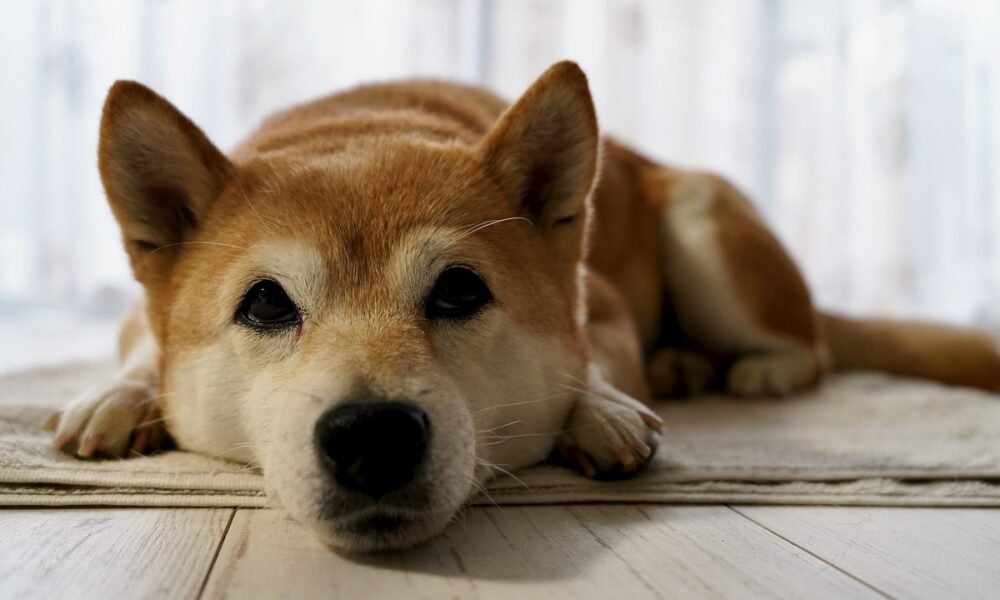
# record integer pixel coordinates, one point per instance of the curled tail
(916, 349)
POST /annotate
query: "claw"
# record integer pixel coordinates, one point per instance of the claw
(53, 422)
(651, 420)
(583, 462)
(90, 446)
(64, 440)
(641, 447)
(141, 439)
(624, 457)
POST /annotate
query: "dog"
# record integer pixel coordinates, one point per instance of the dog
(384, 297)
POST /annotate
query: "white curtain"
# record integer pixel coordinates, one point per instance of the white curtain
(867, 131)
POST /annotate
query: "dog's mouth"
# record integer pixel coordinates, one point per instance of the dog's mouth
(381, 529)
(377, 524)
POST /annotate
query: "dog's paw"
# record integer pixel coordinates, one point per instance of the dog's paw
(772, 374)
(678, 372)
(609, 434)
(115, 421)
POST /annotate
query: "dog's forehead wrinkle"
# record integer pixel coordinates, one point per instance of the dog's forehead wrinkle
(293, 261)
(362, 220)
(414, 180)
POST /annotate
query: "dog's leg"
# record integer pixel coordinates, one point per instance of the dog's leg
(121, 417)
(735, 290)
(676, 371)
(610, 432)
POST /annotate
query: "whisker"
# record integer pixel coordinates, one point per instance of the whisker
(572, 377)
(493, 443)
(506, 472)
(499, 427)
(484, 492)
(471, 229)
(234, 448)
(586, 392)
(253, 465)
(154, 421)
(499, 406)
(521, 435)
(246, 198)
(460, 517)
(307, 395)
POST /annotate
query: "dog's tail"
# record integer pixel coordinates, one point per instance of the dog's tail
(916, 349)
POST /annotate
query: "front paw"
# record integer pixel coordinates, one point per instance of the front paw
(114, 421)
(609, 434)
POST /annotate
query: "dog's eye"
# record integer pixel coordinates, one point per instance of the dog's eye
(266, 305)
(458, 294)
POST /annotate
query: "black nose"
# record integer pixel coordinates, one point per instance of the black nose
(373, 447)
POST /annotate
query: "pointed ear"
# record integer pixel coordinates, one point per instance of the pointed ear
(159, 171)
(544, 150)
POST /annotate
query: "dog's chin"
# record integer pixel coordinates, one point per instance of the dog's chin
(381, 530)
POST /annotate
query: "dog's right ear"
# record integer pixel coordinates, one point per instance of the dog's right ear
(159, 171)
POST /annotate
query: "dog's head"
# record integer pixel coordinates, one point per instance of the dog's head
(380, 326)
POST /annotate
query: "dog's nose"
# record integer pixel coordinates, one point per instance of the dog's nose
(373, 447)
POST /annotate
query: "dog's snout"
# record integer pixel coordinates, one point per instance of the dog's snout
(373, 446)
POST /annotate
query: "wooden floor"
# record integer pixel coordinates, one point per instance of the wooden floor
(583, 551)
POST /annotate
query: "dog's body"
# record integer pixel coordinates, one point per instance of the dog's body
(418, 262)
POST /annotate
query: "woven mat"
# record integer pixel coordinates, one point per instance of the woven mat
(860, 439)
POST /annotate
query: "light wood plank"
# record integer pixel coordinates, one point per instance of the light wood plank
(905, 552)
(596, 551)
(108, 553)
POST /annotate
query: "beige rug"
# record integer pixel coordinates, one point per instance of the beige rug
(860, 439)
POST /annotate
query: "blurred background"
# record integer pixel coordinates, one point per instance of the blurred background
(867, 131)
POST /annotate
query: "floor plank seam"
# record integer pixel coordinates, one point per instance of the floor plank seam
(218, 551)
(810, 553)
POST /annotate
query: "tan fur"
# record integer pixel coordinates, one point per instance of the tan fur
(917, 349)
(354, 204)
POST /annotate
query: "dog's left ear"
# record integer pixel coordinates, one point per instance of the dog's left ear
(544, 150)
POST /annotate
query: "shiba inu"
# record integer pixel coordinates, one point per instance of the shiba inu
(384, 297)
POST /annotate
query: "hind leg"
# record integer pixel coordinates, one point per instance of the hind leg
(734, 289)
(776, 372)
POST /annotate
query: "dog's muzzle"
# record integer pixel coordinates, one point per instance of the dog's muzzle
(373, 446)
